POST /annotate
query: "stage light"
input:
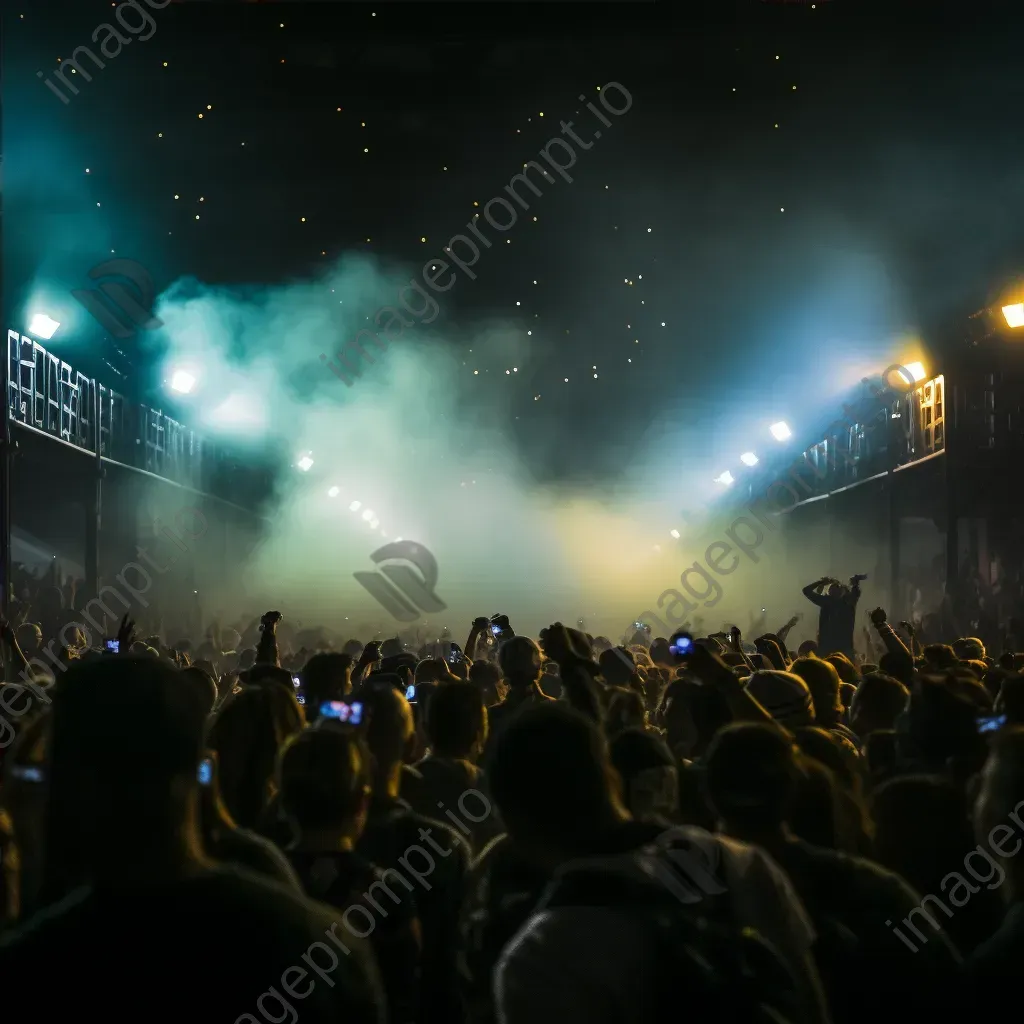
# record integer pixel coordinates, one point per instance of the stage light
(1014, 315)
(780, 431)
(374, 523)
(368, 515)
(674, 533)
(748, 459)
(305, 463)
(43, 326)
(355, 506)
(182, 381)
(334, 492)
(916, 371)
(725, 479)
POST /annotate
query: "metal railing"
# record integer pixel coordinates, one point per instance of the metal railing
(910, 429)
(48, 395)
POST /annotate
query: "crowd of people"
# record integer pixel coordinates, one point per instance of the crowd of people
(265, 824)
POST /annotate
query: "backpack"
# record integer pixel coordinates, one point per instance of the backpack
(703, 961)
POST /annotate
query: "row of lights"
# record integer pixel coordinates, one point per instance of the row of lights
(305, 463)
(915, 373)
(780, 431)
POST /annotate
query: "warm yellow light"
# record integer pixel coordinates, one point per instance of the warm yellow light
(1014, 314)
(916, 371)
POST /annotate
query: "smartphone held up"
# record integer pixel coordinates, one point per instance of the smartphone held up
(346, 712)
(991, 723)
(680, 646)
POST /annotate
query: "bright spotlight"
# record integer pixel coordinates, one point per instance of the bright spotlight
(1014, 315)
(780, 431)
(725, 479)
(305, 463)
(355, 506)
(748, 459)
(43, 326)
(674, 533)
(334, 492)
(368, 515)
(916, 371)
(182, 381)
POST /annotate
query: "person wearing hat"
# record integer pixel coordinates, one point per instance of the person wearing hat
(784, 695)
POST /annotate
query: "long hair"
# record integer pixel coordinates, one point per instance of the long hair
(247, 735)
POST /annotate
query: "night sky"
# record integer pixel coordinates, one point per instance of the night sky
(795, 188)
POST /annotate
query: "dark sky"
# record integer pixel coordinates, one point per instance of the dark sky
(794, 185)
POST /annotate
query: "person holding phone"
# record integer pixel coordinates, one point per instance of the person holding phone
(479, 633)
(226, 842)
(327, 676)
(124, 842)
(837, 617)
(393, 827)
(455, 729)
(522, 665)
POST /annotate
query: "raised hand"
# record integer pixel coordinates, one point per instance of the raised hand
(125, 634)
(559, 644)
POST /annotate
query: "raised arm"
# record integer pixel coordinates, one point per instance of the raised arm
(736, 643)
(479, 625)
(782, 633)
(915, 644)
(811, 592)
(575, 669)
(712, 671)
(893, 644)
(769, 646)
(266, 650)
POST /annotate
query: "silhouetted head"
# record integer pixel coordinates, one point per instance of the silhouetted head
(650, 778)
(877, 703)
(126, 738)
(325, 780)
(822, 680)
(456, 722)
(247, 734)
(553, 783)
(390, 730)
(750, 774)
(520, 661)
(325, 677)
